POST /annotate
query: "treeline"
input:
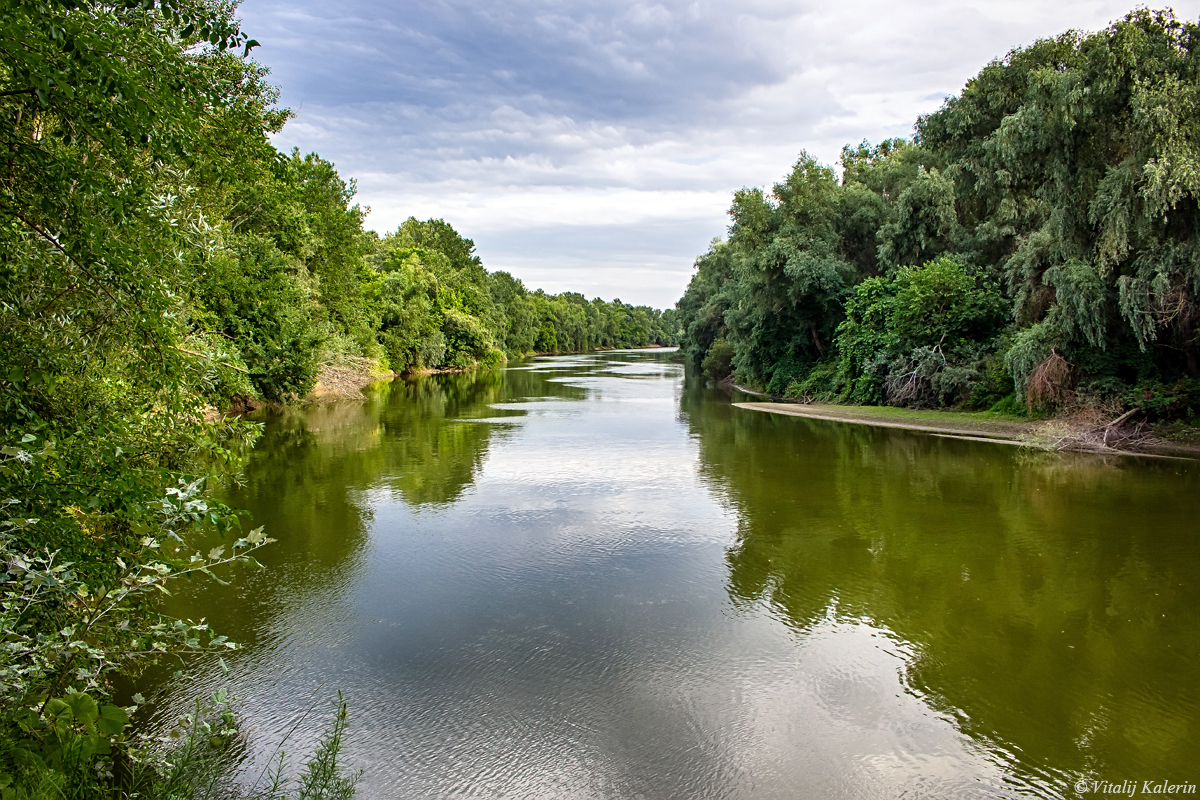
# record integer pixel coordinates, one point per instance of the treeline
(297, 283)
(289, 280)
(1035, 245)
(433, 305)
(156, 254)
(159, 255)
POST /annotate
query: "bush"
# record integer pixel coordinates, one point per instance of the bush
(819, 384)
(467, 339)
(996, 384)
(920, 337)
(718, 361)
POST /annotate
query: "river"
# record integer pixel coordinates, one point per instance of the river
(587, 577)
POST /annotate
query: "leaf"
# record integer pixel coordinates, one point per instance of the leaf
(83, 707)
(26, 719)
(113, 720)
(216, 553)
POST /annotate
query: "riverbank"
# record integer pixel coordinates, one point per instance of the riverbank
(599, 350)
(350, 376)
(346, 379)
(1089, 432)
(424, 371)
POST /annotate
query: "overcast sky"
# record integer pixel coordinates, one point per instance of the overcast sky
(594, 145)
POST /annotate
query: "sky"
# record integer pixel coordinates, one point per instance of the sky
(594, 146)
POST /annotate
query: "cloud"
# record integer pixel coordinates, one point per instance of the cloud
(597, 142)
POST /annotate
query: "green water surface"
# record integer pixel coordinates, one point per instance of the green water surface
(588, 576)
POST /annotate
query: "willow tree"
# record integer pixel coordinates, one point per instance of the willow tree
(1076, 169)
(1067, 175)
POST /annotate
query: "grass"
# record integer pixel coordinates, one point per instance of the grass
(896, 414)
(966, 417)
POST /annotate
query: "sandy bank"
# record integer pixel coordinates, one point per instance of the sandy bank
(344, 380)
(1009, 432)
(1078, 434)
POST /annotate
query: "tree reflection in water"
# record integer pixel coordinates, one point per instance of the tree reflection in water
(1050, 600)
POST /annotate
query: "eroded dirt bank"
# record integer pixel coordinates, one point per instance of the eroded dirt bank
(346, 380)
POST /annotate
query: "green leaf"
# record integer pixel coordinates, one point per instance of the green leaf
(113, 720)
(83, 707)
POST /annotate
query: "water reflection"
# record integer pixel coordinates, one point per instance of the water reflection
(588, 577)
(1049, 601)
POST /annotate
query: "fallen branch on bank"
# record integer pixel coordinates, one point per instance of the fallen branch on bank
(1095, 434)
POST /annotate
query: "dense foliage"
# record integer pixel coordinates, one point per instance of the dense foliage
(1038, 240)
(437, 307)
(159, 255)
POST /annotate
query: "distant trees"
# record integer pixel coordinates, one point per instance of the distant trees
(439, 308)
(1046, 216)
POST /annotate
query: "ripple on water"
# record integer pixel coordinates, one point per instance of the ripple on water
(616, 586)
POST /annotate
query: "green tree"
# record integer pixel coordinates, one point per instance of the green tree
(1066, 172)
(1075, 164)
(920, 336)
(126, 120)
(782, 306)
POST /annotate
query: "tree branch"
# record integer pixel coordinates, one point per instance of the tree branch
(202, 355)
(49, 238)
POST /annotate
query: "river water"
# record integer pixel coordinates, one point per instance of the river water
(587, 577)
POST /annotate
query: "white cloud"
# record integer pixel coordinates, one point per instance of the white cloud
(596, 143)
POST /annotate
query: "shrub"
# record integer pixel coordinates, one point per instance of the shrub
(919, 337)
(718, 361)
